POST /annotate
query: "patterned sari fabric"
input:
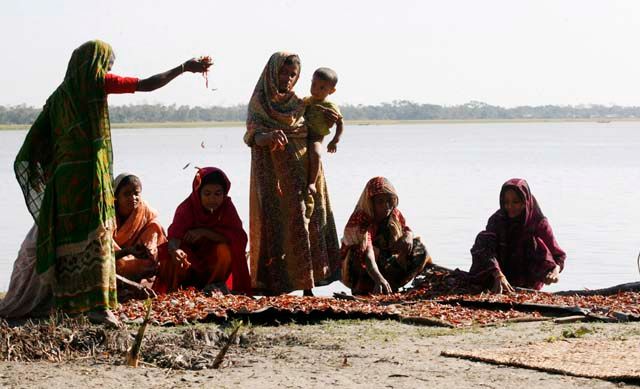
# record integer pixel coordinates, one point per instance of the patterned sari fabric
(524, 249)
(64, 170)
(293, 239)
(362, 231)
(29, 294)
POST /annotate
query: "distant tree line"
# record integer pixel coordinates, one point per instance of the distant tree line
(396, 110)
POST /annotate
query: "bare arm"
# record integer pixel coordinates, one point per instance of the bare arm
(176, 254)
(381, 284)
(332, 147)
(339, 129)
(159, 80)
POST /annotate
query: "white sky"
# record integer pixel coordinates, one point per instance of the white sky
(504, 52)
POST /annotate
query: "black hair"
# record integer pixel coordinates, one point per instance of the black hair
(514, 188)
(215, 178)
(292, 60)
(130, 179)
(326, 74)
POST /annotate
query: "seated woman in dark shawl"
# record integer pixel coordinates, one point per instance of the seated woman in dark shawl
(379, 250)
(206, 240)
(517, 248)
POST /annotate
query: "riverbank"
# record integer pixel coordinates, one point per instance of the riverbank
(351, 353)
(347, 123)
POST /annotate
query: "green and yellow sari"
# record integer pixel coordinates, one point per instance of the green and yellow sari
(64, 170)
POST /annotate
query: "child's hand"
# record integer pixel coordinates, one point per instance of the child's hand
(332, 147)
(330, 116)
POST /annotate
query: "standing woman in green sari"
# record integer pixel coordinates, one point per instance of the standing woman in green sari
(65, 171)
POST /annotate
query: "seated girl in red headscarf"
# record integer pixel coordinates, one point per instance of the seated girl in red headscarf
(379, 252)
(517, 248)
(138, 232)
(206, 240)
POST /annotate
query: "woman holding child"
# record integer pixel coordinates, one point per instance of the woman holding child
(379, 250)
(517, 248)
(294, 244)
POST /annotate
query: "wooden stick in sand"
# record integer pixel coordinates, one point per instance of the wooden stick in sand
(133, 356)
(218, 361)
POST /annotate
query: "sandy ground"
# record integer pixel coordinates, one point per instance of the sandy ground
(367, 354)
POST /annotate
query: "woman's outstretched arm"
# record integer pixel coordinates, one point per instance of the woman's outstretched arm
(162, 79)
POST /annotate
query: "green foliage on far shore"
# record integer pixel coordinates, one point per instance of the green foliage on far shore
(400, 110)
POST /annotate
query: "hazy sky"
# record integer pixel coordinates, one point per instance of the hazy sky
(510, 52)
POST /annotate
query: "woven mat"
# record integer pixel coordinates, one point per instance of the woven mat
(614, 360)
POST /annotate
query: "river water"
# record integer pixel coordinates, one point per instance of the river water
(585, 176)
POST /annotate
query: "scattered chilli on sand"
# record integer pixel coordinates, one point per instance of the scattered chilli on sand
(439, 297)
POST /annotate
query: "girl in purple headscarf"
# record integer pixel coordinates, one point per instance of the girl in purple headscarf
(517, 248)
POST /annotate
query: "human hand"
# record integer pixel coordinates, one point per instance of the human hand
(278, 140)
(330, 116)
(311, 189)
(382, 286)
(553, 276)
(146, 292)
(199, 65)
(332, 147)
(501, 285)
(180, 257)
(404, 245)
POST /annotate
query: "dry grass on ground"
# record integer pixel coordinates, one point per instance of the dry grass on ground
(348, 353)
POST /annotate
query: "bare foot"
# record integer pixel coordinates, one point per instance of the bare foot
(105, 317)
(311, 188)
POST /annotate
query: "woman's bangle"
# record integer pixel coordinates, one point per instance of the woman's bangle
(182, 68)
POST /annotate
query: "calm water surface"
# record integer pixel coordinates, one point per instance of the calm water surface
(585, 176)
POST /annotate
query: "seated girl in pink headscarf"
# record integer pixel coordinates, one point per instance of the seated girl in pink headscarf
(379, 252)
(207, 244)
(517, 248)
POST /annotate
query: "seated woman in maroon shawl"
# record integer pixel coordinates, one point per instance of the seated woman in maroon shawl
(380, 253)
(206, 240)
(517, 248)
